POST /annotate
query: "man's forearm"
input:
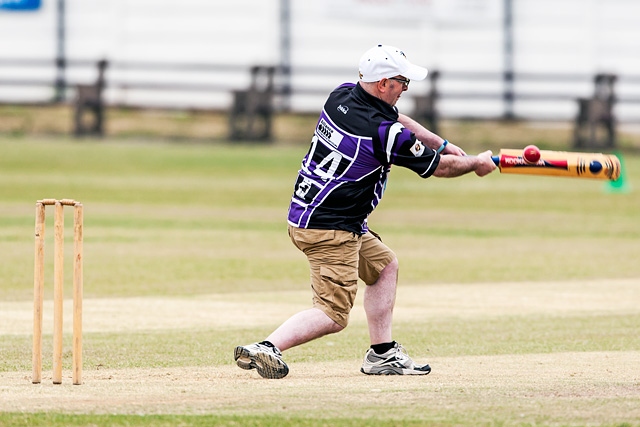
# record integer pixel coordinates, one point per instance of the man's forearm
(427, 137)
(453, 166)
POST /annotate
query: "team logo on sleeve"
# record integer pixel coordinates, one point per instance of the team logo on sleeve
(417, 149)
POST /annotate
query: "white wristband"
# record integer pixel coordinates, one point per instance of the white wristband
(441, 148)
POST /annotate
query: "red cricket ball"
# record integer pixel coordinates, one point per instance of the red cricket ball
(531, 154)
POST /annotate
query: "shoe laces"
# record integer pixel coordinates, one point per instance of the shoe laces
(401, 352)
(402, 356)
(271, 348)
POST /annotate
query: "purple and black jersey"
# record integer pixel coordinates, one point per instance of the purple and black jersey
(344, 174)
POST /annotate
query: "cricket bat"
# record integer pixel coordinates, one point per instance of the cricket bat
(560, 163)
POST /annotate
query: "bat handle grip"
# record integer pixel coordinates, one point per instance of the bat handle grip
(496, 160)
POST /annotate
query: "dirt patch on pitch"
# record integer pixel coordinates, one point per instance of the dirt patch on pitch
(598, 387)
(559, 388)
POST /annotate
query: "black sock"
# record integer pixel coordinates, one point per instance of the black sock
(384, 347)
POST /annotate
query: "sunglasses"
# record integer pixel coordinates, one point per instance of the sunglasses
(405, 82)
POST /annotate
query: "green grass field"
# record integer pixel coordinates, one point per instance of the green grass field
(523, 293)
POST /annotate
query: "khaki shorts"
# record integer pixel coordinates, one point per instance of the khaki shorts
(336, 259)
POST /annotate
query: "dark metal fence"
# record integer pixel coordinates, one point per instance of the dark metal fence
(446, 94)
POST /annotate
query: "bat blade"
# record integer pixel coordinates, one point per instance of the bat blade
(560, 163)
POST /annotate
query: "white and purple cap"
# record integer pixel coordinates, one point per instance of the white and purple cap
(383, 62)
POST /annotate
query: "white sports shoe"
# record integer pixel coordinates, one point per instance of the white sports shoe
(394, 362)
(265, 359)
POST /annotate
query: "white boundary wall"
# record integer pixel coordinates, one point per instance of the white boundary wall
(550, 36)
